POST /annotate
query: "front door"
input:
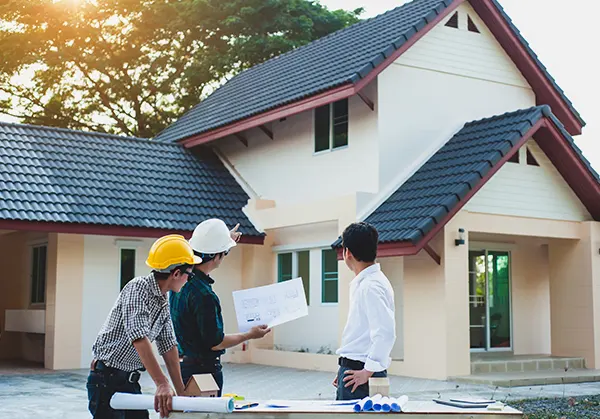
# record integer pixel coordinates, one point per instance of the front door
(489, 300)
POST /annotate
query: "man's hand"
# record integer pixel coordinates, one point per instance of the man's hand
(163, 399)
(335, 381)
(235, 235)
(356, 378)
(258, 332)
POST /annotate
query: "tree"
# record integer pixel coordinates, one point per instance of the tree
(133, 66)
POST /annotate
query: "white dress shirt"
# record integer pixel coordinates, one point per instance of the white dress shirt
(370, 331)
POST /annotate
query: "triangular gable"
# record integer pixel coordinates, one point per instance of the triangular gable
(529, 187)
(312, 76)
(420, 208)
(457, 50)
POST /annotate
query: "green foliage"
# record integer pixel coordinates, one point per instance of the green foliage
(133, 66)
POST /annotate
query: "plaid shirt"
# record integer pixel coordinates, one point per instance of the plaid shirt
(141, 311)
(197, 318)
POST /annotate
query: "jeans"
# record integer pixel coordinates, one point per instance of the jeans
(191, 368)
(101, 385)
(362, 391)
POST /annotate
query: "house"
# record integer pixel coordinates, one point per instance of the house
(78, 214)
(435, 121)
(201, 385)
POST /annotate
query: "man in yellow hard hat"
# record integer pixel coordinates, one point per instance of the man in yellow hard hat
(139, 317)
(196, 310)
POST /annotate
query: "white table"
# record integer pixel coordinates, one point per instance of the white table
(414, 409)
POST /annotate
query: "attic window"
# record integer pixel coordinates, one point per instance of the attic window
(331, 126)
(471, 25)
(453, 21)
(531, 161)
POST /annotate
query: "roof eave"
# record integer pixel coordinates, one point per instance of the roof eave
(581, 179)
(106, 230)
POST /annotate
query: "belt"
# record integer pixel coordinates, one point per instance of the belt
(202, 360)
(350, 363)
(129, 376)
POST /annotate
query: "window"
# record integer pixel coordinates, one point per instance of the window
(453, 21)
(127, 266)
(471, 25)
(514, 158)
(38, 274)
(293, 265)
(331, 126)
(531, 161)
(330, 276)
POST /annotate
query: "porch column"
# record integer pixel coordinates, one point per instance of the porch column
(575, 295)
(345, 275)
(64, 295)
(455, 262)
(258, 269)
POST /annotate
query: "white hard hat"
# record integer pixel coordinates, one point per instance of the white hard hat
(211, 237)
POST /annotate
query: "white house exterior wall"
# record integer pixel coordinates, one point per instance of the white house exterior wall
(449, 77)
(288, 171)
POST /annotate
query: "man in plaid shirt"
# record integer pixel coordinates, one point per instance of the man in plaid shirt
(139, 317)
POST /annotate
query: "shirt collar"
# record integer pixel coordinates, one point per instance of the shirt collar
(203, 277)
(366, 272)
(153, 282)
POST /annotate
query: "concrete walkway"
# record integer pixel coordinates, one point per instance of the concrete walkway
(54, 395)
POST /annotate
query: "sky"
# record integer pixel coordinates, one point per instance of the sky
(565, 37)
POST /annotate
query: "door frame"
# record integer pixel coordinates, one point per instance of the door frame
(491, 247)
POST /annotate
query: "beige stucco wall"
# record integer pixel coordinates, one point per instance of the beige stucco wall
(64, 295)
(574, 285)
(530, 288)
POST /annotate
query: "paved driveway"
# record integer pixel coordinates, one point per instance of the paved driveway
(62, 395)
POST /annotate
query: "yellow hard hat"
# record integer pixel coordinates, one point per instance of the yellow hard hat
(171, 251)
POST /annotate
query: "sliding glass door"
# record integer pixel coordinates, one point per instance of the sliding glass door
(489, 300)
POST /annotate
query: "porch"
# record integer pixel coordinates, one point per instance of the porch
(517, 296)
(509, 370)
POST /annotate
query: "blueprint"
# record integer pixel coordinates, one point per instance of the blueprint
(270, 305)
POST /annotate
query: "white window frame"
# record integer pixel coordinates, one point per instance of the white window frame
(314, 125)
(294, 251)
(322, 279)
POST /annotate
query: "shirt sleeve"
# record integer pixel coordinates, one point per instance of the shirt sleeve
(382, 326)
(209, 321)
(166, 338)
(136, 313)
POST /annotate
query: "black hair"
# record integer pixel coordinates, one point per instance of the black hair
(361, 239)
(161, 276)
(206, 257)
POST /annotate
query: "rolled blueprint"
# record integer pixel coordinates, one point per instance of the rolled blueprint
(126, 401)
(399, 403)
(364, 405)
(377, 402)
(386, 404)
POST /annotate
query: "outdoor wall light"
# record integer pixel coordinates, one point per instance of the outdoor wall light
(461, 237)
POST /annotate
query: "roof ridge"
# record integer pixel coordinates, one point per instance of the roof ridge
(322, 39)
(543, 108)
(81, 132)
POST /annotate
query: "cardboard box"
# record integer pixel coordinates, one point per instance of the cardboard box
(379, 385)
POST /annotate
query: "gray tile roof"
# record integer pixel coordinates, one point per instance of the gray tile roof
(65, 176)
(346, 56)
(428, 196)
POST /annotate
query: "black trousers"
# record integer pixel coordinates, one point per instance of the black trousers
(362, 391)
(102, 384)
(191, 366)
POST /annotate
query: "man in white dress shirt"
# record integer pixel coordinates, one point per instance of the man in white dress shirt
(370, 331)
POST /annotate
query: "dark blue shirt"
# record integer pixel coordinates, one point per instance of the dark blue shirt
(197, 318)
